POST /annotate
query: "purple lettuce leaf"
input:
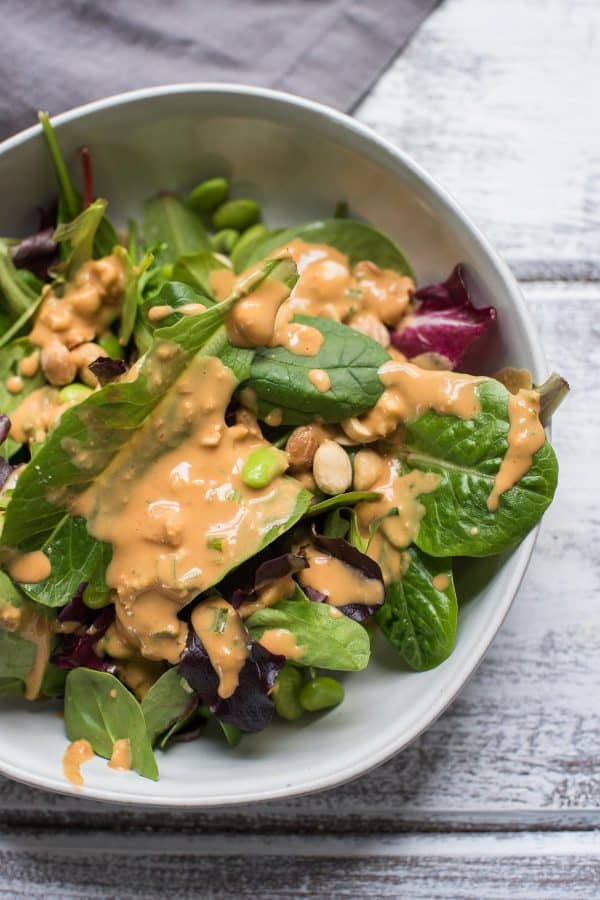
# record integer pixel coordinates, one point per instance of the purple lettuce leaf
(5, 467)
(351, 556)
(249, 708)
(77, 650)
(107, 369)
(444, 321)
(242, 584)
(38, 253)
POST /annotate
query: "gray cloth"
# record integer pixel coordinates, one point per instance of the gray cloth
(59, 53)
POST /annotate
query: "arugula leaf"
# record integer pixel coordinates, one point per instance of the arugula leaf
(103, 424)
(79, 235)
(330, 641)
(75, 557)
(280, 379)
(169, 701)
(417, 618)
(168, 221)
(466, 454)
(99, 709)
(17, 656)
(357, 240)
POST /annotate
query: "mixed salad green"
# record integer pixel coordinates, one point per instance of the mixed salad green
(230, 454)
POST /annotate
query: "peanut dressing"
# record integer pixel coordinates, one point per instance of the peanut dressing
(33, 418)
(37, 629)
(157, 313)
(340, 583)
(14, 384)
(121, 755)
(76, 754)
(281, 642)
(29, 568)
(281, 589)
(29, 365)
(410, 392)
(525, 437)
(176, 511)
(441, 582)
(225, 640)
(319, 379)
(398, 492)
(89, 304)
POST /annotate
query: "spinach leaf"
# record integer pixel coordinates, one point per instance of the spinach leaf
(169, 701)
(79, 235)
(280, 379)
(466, 454)
(329, 641)
(195, 269)
(417, 618)
(169, 222)
(11, 687)
(348, 499)
(357, 240)
(133, 291)
(75, 557)
(99, 709)
(104, 423)
(18, 300)
(17, 656)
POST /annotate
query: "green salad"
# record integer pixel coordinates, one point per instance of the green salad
(230, 454)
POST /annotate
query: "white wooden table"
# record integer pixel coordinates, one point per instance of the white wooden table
(501, 798)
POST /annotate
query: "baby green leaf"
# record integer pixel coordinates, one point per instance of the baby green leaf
(194, 269)
(168, 221)
(419, 619)
(466, 454)
(170, 700)
(328, 640)
(80, 234)
(357, 240)
(17, 656)
(100, 709)
(280, 379)
(10, 360)
(348, 499)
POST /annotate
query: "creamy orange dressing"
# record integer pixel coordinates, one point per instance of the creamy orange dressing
(392, 562)
(29, 568)
(121, 755)
(156, 313)
(409, 392)
(138, 674)
(398, 492)
(281, 642)
(222, 282)
(525, 437)
(340, 583)
(33, 418)
(29, 365)
(514, 379)
(281, 589)
(274, 418)
(37, 629)
(320, 379)
(76, 754)
(88, 305)
(329, 287)
(225, 640)
(440, 582)
(182, 515)
(14, 384)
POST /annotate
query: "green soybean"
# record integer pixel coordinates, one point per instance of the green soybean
(224, 241)
(167, 271)
(263, 465)
(96, 597)
(207, 195)
(321, 692)
(286, 693)
(238, 214)
(250, 235)
(111, 345)
(74, 393)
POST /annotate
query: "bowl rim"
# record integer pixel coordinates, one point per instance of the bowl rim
(519, 558)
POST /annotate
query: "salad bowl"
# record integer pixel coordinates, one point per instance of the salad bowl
(299, 160)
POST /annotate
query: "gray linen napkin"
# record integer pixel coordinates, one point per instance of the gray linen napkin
(59, 53)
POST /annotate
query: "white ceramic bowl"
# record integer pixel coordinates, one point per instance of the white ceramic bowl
(298, 159)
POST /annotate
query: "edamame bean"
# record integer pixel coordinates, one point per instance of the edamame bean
(286, 691)
(111, 346)
(238, 214)
(263, 465)
(224, 241)
(74, 393)
(207, 195)
(321, 692)
(250, 235)
(167, 271)
(96, 598)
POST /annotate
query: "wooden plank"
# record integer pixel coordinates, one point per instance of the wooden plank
(497, 102)
(415, 866)
(519, 747)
